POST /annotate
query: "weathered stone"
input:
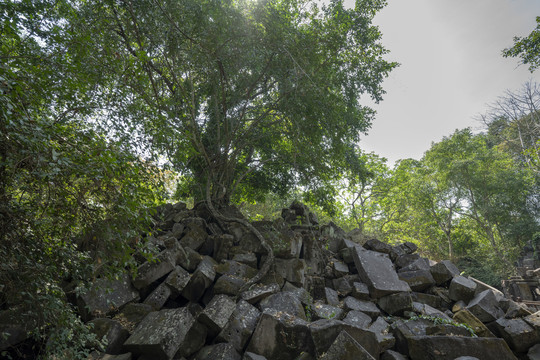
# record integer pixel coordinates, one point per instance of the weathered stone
(331, 296)
(301, 293)
(485, 307)
(534, 320)
(466, 317)
(393, 355)
(293, 270)
(102, 356)
(200, 280)
(325, 331)
(461, 288)
(448, 330)
(379, 326)
(357, 318)
(132, 314)
(345, 347)
(195, 234)
(161, 333)
(235, 268)
(324, 311)
(313, 254)
(431, 300)
(216, 315)
(158, 297)
(251, 356)
(259, 292)
(376, 270)
(444, 271)
(284, 302)
(366, 307)
(247, 258)
(444, 295)
(177, 280)
(228, 285)
(519, 335)
(339, 268)
(534, 353)
(427, 310)
(378, 246)
(360, 290)
(403, 330)
(149, 272)
(222, 246)
(112, 331)
(342, 286)
(191, 261)
(459, 305)
(418, 280)
(418, 264)
(516, 310)
(332, 235)
(451, 347)
(106, 296)
(396, 304)
(194, 340)
(357, 237)
(405, 260)
(280, 336)
(241, 325)
(222, 351)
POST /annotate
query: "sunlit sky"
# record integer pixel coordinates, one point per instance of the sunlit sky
(451, 68)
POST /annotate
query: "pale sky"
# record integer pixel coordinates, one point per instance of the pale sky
(451, 68)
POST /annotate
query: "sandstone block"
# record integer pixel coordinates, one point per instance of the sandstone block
(485, 307)
(241, 325)
(217, 313)
(345, 347)
(461, 288)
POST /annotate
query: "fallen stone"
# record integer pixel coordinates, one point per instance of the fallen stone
(485, 307)
(149, 272)
(200, 280)
(112, 331)
(158, 297)
(106, 296)
(285, 302)
(194, 340)
(519, 335)
(293, 270)
(444, 271)
(222, 246)
(534, 320)
(367, 307)
(241, 325)
(466, 317)
(393, 355)
(235, 268)
(132, 314)
(360, 291)
(331, 296)
(195, 234)
(216, 315)
(402, 330)
(280, 336)
(405, 260)
(102, 356)
(259, 293)
(248, 258)
(428, 299)
(160, 334)
(177, 280)
(378, 246)
(516, 310)
(251, 356)
(345, 347)
(323, 311)
(418, 264)
(376, 270)
(418, 280)
(228, 285)
(461, 288)
(222, 351)
(396, 304)
(342, 286)
(534, 353)
(447, 330)
(427, 310)
(358, 318)
(451, 347)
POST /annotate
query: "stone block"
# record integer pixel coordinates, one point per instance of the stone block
(519, 335)
(418, 280)
(405, 260)
(217, 313)
(251, 356)
(241, 325)
(151, 271)
(367, 307)
(158, 297)
(132, 314)
(428, 299)
(360, 290)
(280, 336)
(259, 292)
(292, 270)
(200, 280)
(222, 351)
(534, 353)
(345, 347)
(177, 280)
(228, 285)
(160, 334)
(106, 296)
(357, 318)
(376, 270)
(331, 296)
(461, 288)
(485, 307)
(250, 259)
(194, 340)
(466, 317)
(396, 304)
(418, 264)
(342, 286)
(444, 271)
(427, 310)
(112, 331)
(285, 302)
(393, 355)
(534, 320)
(323, 311)
(235, 268)
(378, 246)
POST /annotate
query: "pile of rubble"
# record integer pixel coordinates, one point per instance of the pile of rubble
(525, 286)
(326, 297)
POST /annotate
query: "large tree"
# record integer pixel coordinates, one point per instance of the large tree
(242, 97)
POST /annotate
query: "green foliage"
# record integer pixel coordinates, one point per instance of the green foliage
(481, 266)
(527, 48)
(441, 321)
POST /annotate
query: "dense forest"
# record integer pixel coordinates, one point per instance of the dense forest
(111, 108)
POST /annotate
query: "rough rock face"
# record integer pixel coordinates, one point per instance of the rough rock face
(326, 297)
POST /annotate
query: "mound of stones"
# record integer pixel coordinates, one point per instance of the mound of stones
(326, 297)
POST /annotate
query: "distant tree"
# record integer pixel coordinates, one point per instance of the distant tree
(527, 48)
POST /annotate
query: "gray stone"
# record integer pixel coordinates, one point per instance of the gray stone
(485, 307)
(222, 246)
(241, 325)
(106, 296)
(461, 288)
(193, 259)
(194, 340)
(427, 310)
(250, 259)
(200, 280)
(360, 291)
(102, 356)
(448, 330)
(331, 296)
(222, 351)
(402, 330)
(396, 304)
(158, 297)
(151, 271)
(534, 353)
(195, 234)
(132, 314)
(393, 355)
(228, 285)
(519, 335)
(251, 356)
(466, 317)
(216, 315)
(366, 307)
(418, 264)
(451, 347)
(284, 302)
(177, 280)
(342, 286)
(444, 271)
(534, 320)
(379, 326)
(431, 300)
(112, 331)
(235, 268)
(376, 270)
(516, 310)
(292, 270)
(161, 333)
(324, 311)
(280, 336)
(339, 268)
(357, 318)
(405, 260)
(378, 246)
(259, 292)
(345, 347)
(418, 280)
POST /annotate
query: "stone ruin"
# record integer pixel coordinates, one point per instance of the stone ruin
(525, 286)
(326, 297)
